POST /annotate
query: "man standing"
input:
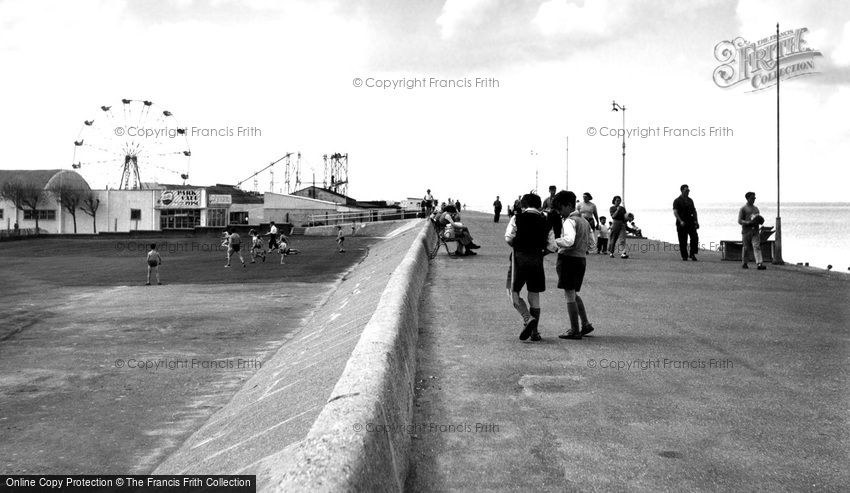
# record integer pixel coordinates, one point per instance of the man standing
(572, 262)
(272, 237)
(497, 209)
(530, 237)
(551, 213)
(587, 209)
(751, 220)
(429, 202)
(686, 223)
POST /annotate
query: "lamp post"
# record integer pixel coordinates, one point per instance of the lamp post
(536, 169)
(617, 107)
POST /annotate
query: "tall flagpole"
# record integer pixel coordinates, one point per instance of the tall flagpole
(777, 247)
(567, 184)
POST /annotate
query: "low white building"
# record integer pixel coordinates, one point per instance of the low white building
(159, 208)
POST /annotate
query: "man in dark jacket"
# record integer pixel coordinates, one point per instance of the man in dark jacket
(686, 223)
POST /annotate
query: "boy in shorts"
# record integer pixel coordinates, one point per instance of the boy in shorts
(154, 260)
(283, 247)
(272, 234)
(339, 239)
(530, 238)
(234, 245)
(602, 236)
(256, 247)
(572, 262)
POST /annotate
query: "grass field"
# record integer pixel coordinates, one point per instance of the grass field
(121, 262)
(80, 387)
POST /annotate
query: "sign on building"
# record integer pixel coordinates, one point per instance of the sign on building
(219, 200)
(180, 199)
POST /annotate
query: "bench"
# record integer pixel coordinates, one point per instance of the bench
(441, 239)
(732, 250)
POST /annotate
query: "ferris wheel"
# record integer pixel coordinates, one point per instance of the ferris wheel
(130, 146)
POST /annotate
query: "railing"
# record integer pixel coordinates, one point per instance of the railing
(369, 215)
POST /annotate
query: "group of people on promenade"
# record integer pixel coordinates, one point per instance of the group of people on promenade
(562, 225)
(610, 237)
(606, 237)
(429, 204)
(687, 224)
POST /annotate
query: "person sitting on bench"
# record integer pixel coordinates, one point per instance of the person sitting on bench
(454, 229)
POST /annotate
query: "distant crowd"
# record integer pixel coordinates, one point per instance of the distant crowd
(573, 229)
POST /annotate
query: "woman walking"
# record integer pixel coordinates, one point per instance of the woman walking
(618, 228)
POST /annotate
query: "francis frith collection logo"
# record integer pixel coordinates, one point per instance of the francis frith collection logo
(741, 60)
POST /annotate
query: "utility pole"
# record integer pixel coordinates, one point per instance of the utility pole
(777, 250)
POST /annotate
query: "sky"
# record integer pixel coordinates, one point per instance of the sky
(549, 71)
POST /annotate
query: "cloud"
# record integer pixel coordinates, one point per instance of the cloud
(564, 18)
(841, 53)
(460, 14)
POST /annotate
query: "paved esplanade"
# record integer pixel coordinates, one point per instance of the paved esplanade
(700, 376)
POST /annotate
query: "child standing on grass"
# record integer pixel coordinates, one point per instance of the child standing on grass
(256, 247)
(339, 239)
(234, 245)
(154, 261)
(283, 247)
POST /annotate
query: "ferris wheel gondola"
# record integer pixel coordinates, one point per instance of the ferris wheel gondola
(132, 148)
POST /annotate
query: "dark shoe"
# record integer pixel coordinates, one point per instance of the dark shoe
(745, 266)
(625, 255)
(473, 246)
(694, 258)
(684, 259)
(528, 328)
(761, 267)
(470, 252)
(587, 329)
(535, 336)
(572, 334)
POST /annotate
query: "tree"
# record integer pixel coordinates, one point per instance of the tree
(89, 206)
(69, 198)
(23, 194)
(13, 192)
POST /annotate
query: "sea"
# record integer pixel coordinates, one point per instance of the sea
(813, 232)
